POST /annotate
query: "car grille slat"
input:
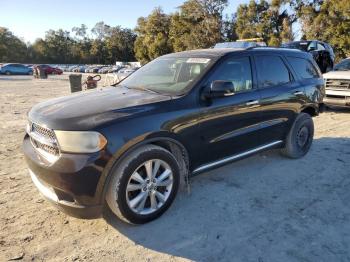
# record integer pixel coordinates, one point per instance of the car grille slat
(44, 140)
(338, 84)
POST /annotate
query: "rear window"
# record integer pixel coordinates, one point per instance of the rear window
(303, 67)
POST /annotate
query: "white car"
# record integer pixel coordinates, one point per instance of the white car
(338, 84)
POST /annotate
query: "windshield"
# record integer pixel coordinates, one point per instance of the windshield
(167, 75)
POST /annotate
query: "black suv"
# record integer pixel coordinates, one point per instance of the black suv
(127, 147)
(321, 52)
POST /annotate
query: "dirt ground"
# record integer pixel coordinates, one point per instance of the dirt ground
(264, 208)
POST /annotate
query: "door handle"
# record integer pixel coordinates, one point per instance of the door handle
(298, 93)
(252, 103)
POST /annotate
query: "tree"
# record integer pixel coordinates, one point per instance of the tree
(12, 49)
(120, 45)
(198, 24)
(152, 36)
(271, 21)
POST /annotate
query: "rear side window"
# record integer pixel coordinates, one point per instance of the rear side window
(303, 67)
(272, 71)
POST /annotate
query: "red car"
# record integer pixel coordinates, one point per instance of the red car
(51, 70)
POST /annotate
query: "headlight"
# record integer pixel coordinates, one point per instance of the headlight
(80, 141)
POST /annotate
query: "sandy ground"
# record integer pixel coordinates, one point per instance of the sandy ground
(264, 208)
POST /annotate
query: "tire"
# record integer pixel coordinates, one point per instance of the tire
(30, 73)
(7, 73)
(300, 137)
(144, 204)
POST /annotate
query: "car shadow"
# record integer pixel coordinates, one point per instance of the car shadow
(263, 208)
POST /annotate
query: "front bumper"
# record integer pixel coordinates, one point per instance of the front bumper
(71, 182)
(71, 208)
(337, 97)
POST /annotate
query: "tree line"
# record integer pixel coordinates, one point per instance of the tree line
(195, 24)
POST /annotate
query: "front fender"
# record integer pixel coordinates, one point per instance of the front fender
(118, 156)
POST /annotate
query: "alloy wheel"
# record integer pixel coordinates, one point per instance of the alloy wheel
(149, 187)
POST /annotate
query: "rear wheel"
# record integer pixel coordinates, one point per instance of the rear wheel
(7, 73)
(143, 185)
(300, 137)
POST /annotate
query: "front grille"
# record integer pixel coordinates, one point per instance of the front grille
(44, 140)
(43, 131)
(53, 150)
(338, 84)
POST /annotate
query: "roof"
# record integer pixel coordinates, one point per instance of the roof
(219, 52)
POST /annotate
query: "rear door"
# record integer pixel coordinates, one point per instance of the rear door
(281, 96)
(229, 125)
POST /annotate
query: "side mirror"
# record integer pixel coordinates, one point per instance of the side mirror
(221, 88)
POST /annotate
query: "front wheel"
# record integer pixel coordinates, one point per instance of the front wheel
(143, 185)
(300, 137)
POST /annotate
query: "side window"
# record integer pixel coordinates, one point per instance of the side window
(236, 70)
(312, 46)
(303, 67)
(320, 47)
(272, 71)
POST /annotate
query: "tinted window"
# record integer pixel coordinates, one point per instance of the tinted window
(236, 70)
(272, 71)
(303, 67)
(320, 46)
(312, 46)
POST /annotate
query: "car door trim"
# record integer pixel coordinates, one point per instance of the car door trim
(234, 157)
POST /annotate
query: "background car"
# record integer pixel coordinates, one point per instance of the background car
(51, 70)
(338, 85)
(15, 69)
(343, 65)
(322, 52)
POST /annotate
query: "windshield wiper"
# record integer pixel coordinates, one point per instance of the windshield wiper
(145, 89)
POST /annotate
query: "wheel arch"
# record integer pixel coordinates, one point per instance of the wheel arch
(311, 110)
(164, 140)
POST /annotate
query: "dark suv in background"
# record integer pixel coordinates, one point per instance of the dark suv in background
(127, 147)
(321, 52)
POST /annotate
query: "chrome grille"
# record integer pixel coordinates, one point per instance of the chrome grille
(43, 131)
(338, 84)
(49, 149)
(44, 140)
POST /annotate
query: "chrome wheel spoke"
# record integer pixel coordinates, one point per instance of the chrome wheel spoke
(141, 206)
(153, 201)
(155, 168)
(164, 175)
(135, 201)
(134, 187)
(167, 182)
(148, 167)
(136, 176)
(160, 196)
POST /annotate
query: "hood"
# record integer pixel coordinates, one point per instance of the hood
(337, 75)
(88, 109)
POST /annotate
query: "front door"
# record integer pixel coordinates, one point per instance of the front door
(228, 125)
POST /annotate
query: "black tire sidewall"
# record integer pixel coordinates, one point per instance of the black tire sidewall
(125, 174)
(303, 120)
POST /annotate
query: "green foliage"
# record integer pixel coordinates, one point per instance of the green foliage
(268, 20)
(12, 49)
(199, 24)
(152, 36)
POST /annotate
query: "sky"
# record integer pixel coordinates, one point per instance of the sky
(31, 19)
